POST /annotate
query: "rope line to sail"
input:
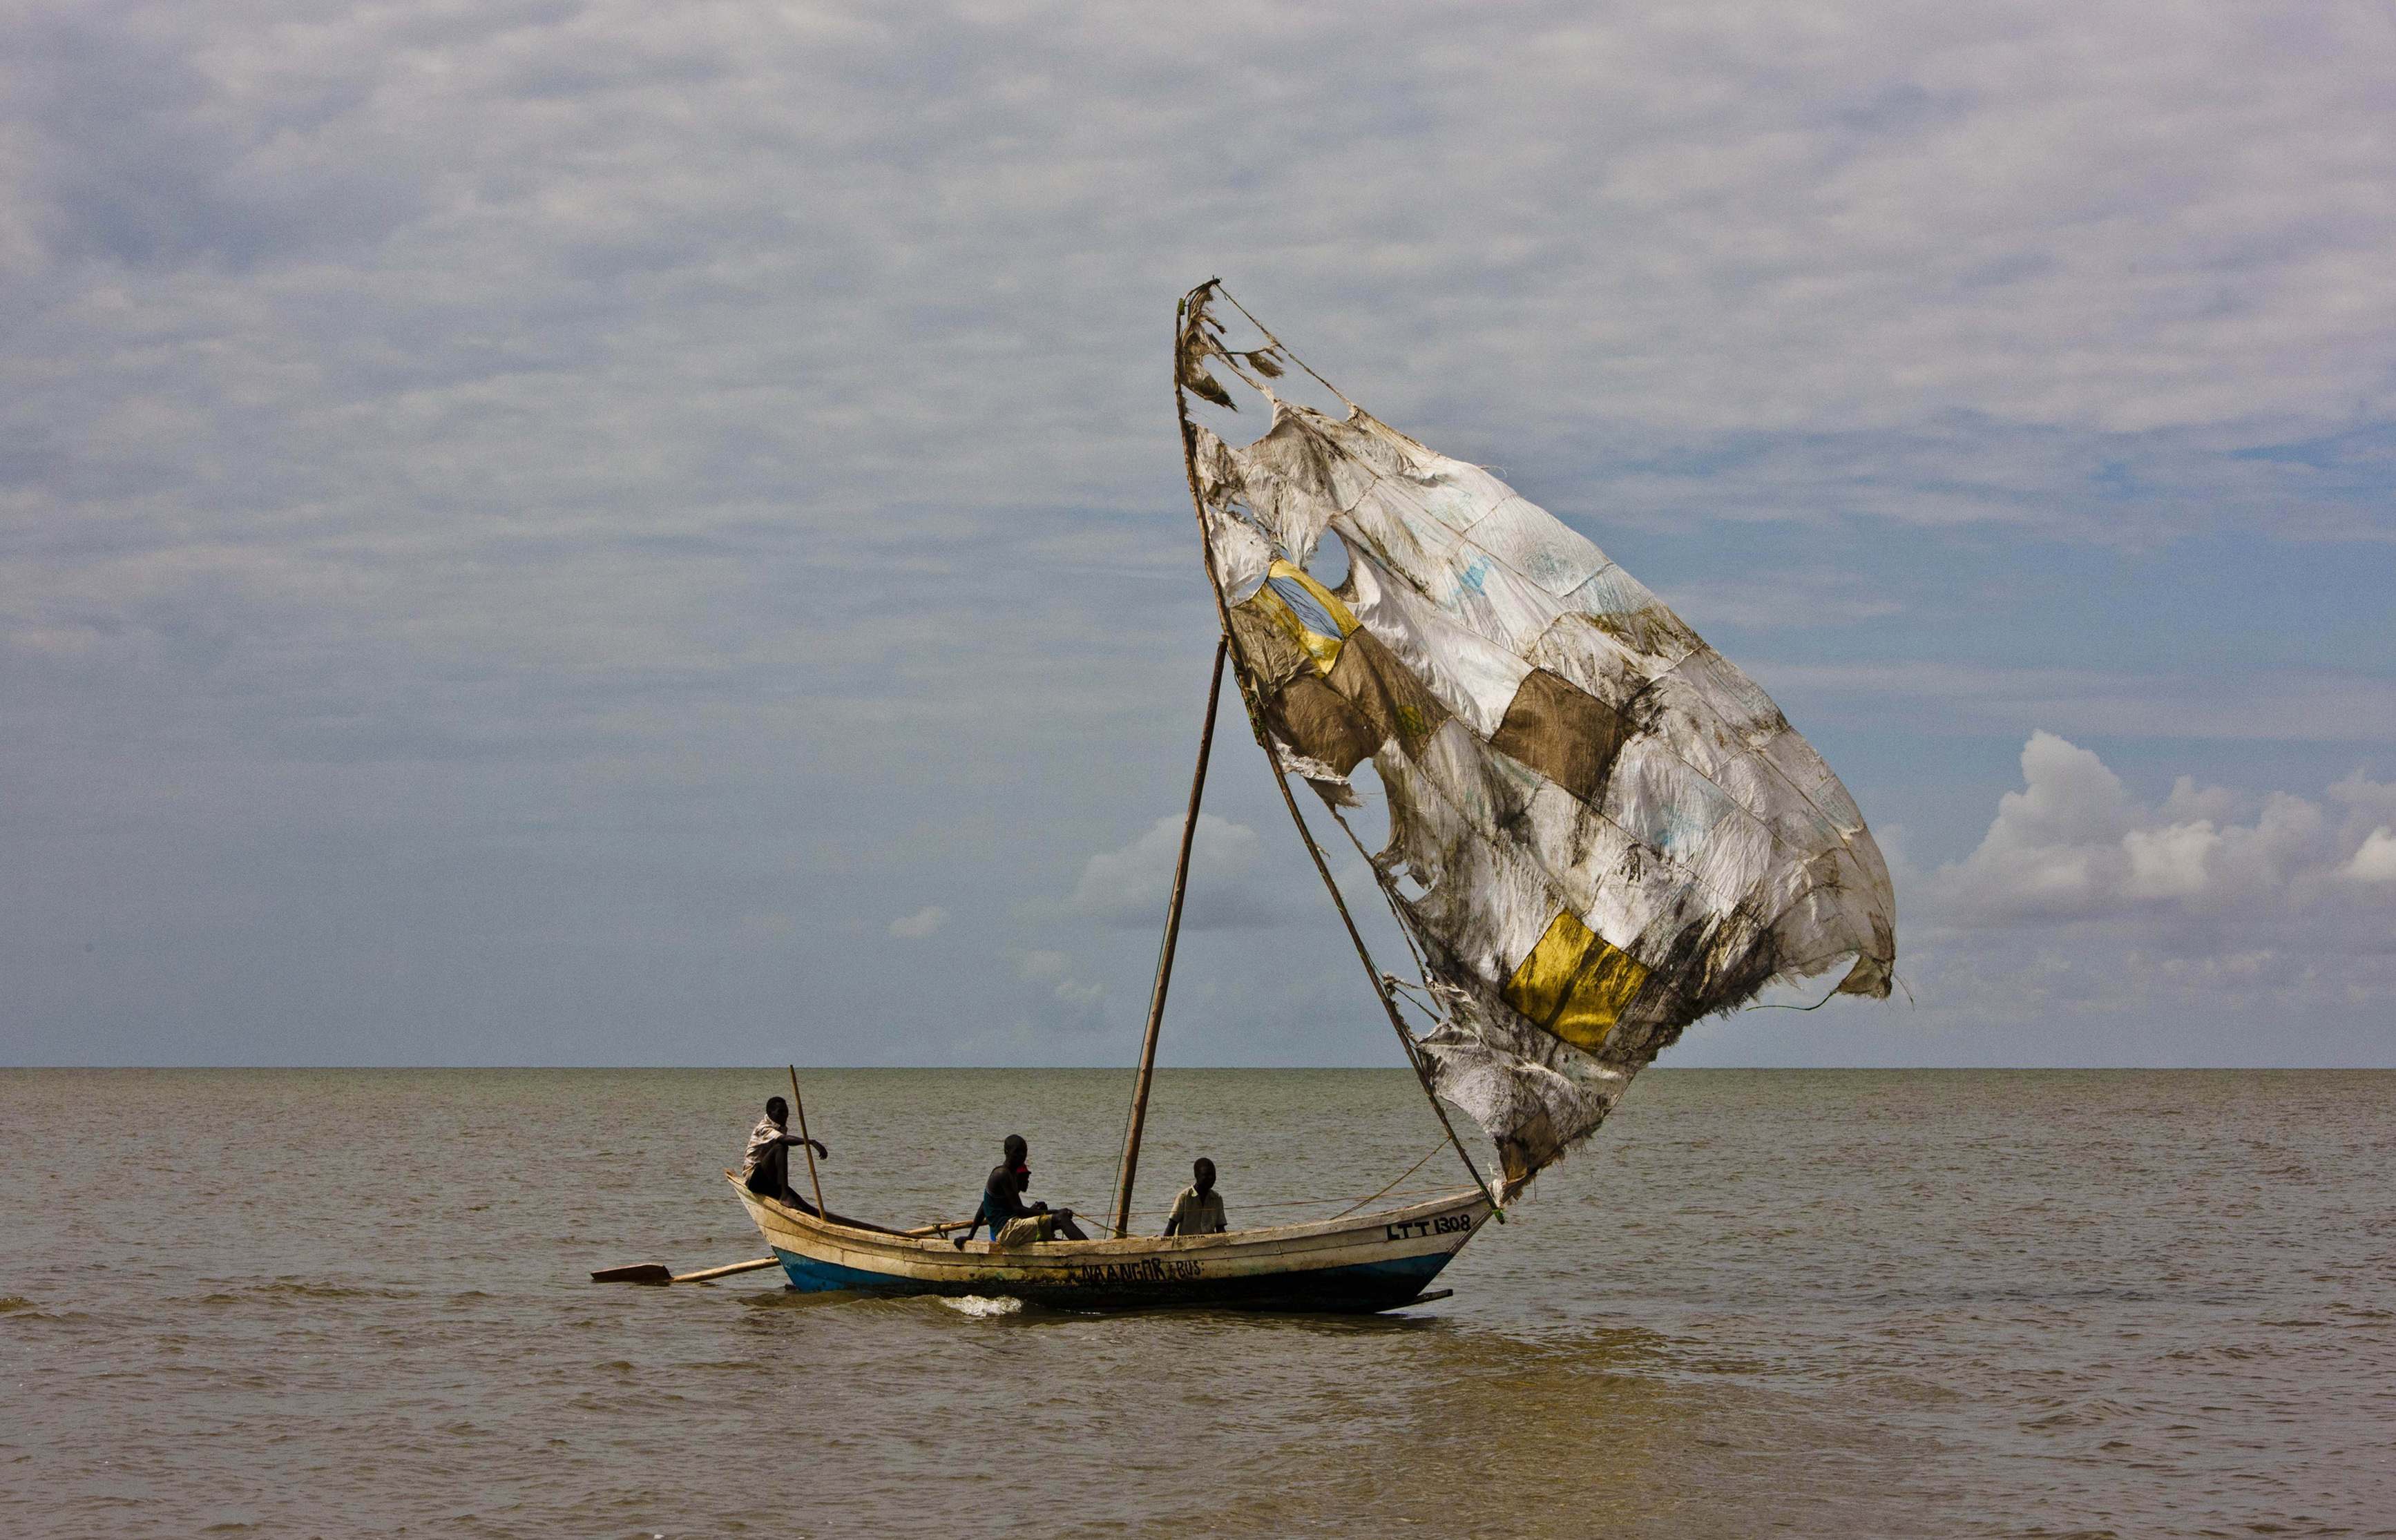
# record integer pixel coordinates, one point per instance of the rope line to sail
(1412, 989)
(1282, 348)
(1123, 1134)
(1273, 755)
(1760, 1005)
(1405, 926)
(1394, 1182)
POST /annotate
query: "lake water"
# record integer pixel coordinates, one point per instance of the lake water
(1912, 1304)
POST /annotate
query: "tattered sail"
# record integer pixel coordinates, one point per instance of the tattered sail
(1600, 830)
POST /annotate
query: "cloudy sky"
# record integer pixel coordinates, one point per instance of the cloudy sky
(556, 532)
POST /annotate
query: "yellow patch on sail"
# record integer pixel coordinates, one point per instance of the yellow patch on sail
(1315, 620)
(1574, 983)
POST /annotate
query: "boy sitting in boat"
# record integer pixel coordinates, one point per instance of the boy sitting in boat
(1011, 1221)
(765, 1168)
(1199, 1210)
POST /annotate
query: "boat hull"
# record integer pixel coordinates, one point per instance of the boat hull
(1360, 1263)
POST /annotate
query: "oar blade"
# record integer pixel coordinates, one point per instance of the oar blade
(639, 1272)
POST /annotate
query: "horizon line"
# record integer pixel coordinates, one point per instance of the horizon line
(1248, 1068)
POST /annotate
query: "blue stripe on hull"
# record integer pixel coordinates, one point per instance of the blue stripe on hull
(1363, 1286)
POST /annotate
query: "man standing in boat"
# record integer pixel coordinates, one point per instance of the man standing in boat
(1199, 1210)
(1003, 1208)
(766, 1168)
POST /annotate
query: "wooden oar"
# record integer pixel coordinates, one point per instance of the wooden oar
(658, 1273)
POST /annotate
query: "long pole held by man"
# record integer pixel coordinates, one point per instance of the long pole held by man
(799, 1110)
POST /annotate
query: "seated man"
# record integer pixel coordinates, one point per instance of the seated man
(766, 1168)
(1199, 1210)
(1011, 1222)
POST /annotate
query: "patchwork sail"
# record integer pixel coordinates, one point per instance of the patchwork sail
(1599, 829)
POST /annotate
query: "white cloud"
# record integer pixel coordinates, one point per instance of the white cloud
(1056, 998)
(2102, 927)
(923, 922)
(2072, 842)
(1228, 887)
(2375, 861)
(578, 264)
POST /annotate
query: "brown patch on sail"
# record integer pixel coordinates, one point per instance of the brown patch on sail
(1518, 1162)
(1266, 651)
(1386, 692)
(1563, 731)
(1318, 722)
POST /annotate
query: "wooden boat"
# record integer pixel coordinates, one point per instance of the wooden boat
(1598, 831)
(1355, 1263)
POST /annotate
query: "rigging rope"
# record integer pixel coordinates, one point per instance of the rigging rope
(1384, 1192)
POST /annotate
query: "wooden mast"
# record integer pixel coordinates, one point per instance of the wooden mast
(1130, 1167)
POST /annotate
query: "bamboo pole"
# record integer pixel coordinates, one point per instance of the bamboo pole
(1129, 1170)
(1281, 772)
(799, 1110)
